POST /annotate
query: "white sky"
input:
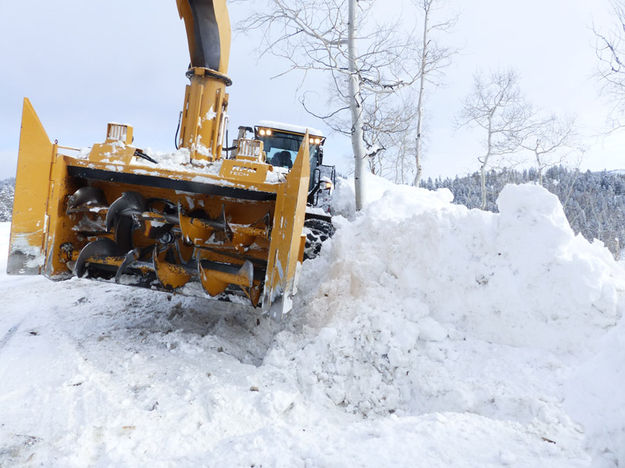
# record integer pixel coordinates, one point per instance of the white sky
(84, 64)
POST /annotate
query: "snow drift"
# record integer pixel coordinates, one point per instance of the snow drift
(425, 334)
(428, 306)
(519, 277)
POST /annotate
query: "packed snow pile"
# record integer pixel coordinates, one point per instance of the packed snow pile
(520, 277)
(428, 306)
(425, 334)
(596, 399)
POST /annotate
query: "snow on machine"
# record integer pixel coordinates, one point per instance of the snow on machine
(209, 220)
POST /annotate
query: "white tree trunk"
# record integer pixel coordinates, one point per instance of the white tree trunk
(424, 58)
(484, 166)
(540, 167)
(356, 110)
(483, 185)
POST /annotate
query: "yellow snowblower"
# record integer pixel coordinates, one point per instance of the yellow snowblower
(196, 224)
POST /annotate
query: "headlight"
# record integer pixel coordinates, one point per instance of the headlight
(326, 184)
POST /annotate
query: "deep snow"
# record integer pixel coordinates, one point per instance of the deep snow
(425, 335)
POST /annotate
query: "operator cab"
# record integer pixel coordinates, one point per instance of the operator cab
(282, 142)
(280, 146)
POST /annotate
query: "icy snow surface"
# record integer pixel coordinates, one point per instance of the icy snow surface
(425, 335)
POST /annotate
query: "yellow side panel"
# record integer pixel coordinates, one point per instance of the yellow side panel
(286, 234)
(59, 226)
(247, 172)
(32, 185)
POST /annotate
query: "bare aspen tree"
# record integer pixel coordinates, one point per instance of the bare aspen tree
(387, 123)
(367, 63)
(356, 108)
(610, 49)
(432, 59)
(402, 159)
(497, 107)
(386, 118)
(550, 141)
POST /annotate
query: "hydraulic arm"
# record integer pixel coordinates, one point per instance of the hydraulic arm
(206, 102)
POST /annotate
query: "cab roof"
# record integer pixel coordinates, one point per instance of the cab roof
(290, 128)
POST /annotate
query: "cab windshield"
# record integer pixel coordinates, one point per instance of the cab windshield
(282, 149)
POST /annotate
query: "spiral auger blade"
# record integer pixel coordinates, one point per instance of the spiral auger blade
(88, 205)
(171, 257)
(171, 275)
(244, 236)
(101, 252)
(226, 259)
(105, 254)
(123, 215)
(203, 231)
(128, 205)
(165, 255)
(216, 278)
(130, 258)
(86, 199)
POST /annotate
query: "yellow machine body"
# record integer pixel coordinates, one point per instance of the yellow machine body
(222, 228)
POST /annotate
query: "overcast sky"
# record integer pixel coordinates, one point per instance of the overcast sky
(85, 63)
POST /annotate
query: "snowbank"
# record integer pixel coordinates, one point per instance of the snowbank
(595, 397)
(343, 196)
(424, 335)
(428, 306)
(519, 277)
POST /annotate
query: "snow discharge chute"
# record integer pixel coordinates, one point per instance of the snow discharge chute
(208, 32)
(200, 225)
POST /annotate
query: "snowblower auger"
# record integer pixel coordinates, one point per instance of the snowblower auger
(224, 228)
